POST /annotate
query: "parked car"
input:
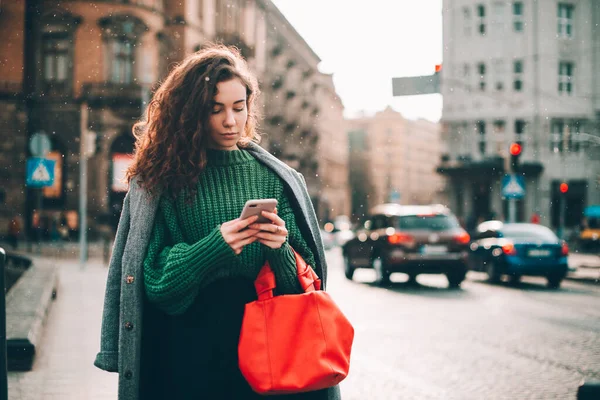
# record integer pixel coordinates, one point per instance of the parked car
(410, 239)
(328, 239)
(517, 249)
(589, 236)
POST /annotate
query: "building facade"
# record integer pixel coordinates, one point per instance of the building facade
(526, 72)
(82, 72)
(399, 159)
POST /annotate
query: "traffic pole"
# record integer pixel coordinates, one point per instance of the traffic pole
(83, 179)
(512, 210)
(561, 220)
(3, 356)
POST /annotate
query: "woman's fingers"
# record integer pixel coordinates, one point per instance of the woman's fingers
(270, 237)
(273, 217)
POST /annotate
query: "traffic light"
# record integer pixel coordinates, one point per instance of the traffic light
(564, 188)
(515, 153)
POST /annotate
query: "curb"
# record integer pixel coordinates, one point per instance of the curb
(27, 306)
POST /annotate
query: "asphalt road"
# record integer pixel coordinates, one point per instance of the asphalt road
(482, 341)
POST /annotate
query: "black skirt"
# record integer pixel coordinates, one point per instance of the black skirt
(194, 356)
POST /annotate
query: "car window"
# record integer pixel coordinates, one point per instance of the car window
(380, 222)
(529, 232)
(435, 222)
(488, 234)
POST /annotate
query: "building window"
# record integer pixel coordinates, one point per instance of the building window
(481, 19)
(518, 75)
(481, 70)
(566, 136)
(230, 16)
(57, 61)
(121, 34)
(556, 141)
(498, 20)
(467, 77)
(565, 20)
(518, 23)
(467, 23)
(520, 131)
(481, 140)
(499, 136)
(565, 78)
(499, 74)
(55, 75)
(122, 61)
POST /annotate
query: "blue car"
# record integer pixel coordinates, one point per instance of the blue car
(517, 249)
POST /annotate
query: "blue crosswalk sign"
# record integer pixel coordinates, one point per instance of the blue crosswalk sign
(40, 172)
(513, 187)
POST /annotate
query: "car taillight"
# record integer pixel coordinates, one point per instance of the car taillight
(509, 249)
(565, 249)
(462, 238)
(401, 238)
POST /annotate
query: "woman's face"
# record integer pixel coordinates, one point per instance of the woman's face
(228, 115)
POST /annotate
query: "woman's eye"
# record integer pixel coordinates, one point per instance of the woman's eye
(216, 110)
(239, 109)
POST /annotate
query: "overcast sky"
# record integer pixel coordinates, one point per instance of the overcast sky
(365, 43)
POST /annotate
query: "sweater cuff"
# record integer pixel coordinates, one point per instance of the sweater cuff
(211, 251)
(283, 263)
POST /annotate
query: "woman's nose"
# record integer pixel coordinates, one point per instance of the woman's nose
(229, 119)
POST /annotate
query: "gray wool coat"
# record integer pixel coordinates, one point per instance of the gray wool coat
(120, 344)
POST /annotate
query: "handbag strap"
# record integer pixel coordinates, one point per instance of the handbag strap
(307, 277)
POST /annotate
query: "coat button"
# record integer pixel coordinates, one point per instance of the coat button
(128, 374)
(129, 279)
(128, 326)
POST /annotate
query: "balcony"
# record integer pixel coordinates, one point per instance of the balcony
(129, 97)
(465, 166)
(490, 166)
(10, 89)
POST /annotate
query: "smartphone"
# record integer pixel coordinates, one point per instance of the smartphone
(255, 207)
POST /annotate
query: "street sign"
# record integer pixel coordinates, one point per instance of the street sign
(513, 187)
(39, 144)
(40, 172)
(416, 85)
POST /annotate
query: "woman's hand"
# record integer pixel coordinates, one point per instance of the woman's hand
(272, 234)
(237, 238)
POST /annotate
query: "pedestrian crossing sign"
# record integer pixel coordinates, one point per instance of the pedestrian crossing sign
(513, 187)
(40, 172)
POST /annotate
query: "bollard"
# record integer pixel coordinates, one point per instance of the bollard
(589, 390)
(3, 359)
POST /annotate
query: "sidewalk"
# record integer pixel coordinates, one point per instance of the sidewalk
(63, 368)
(587, 267)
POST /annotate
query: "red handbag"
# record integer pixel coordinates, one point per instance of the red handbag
(293, 343)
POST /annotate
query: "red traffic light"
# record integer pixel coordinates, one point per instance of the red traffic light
(564, 188)
(515, 149)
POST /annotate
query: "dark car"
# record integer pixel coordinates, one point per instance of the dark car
(517, 249)
(410, 239)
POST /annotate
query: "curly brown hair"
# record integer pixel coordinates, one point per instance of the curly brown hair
(170, 149)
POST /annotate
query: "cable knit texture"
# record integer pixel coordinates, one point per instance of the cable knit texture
(188, 252)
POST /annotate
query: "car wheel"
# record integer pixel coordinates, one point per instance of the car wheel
(455, 278)
(554, 281)
(515, 279)
(493, 272)
(348, 269)
(382, 275)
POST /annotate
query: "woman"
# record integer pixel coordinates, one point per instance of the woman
(183, 264)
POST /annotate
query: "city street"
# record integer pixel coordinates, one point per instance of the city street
(425, 342)
(480, 342)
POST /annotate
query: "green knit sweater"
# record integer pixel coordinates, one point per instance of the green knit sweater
(188, 252)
